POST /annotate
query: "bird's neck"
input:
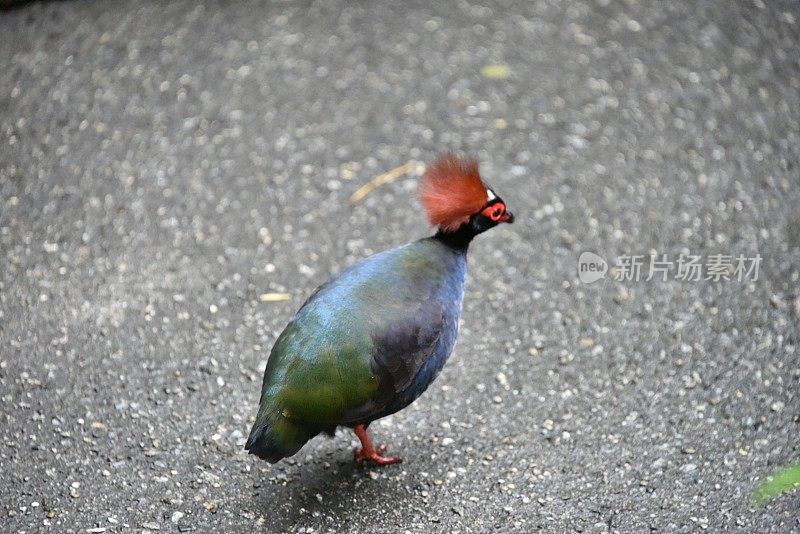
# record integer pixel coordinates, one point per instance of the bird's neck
(458, 239)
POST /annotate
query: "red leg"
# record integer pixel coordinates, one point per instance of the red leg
(368, 452)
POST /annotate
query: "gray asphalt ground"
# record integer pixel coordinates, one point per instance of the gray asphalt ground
(163, 164)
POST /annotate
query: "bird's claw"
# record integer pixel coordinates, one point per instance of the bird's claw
(375, 457)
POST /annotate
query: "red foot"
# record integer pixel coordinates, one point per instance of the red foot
(360, 456)
(368, 452)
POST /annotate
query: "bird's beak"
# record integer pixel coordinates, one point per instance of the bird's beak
(507, 217)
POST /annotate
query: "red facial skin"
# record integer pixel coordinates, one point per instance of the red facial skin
(496, 212)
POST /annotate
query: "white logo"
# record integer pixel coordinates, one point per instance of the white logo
(687, 267)
(591, 267)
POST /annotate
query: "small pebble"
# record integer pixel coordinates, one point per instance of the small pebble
(502, 379)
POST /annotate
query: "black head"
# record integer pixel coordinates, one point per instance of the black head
(494, 212)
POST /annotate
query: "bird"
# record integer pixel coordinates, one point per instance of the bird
(370, 340)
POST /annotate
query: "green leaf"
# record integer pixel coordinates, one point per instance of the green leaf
(787, 479)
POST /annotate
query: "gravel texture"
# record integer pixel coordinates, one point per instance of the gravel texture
(164, 164)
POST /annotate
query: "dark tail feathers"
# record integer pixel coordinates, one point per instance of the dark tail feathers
(277, 438)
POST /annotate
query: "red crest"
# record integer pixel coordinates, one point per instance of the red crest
(451, 191)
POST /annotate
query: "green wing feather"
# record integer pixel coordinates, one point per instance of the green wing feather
(316, 390)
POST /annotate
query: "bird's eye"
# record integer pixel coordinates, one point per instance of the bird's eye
(494, 212)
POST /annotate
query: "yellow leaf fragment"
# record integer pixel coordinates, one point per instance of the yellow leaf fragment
(274, 297)
(496, 72)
